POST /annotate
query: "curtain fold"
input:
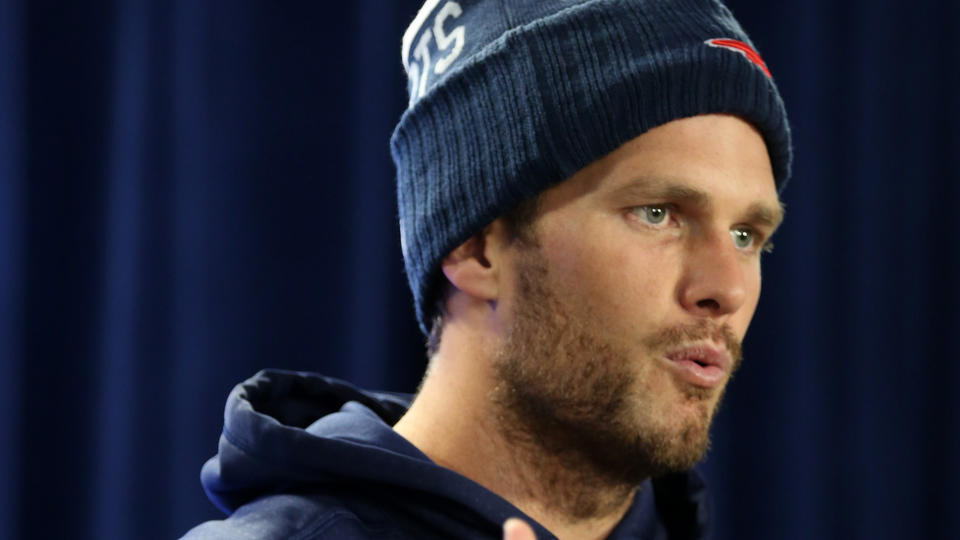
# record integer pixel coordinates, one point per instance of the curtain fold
(11, 254)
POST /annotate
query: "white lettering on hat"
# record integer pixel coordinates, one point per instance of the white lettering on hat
(421, 53)
(456, 38)
(418, 69)
(415, 27)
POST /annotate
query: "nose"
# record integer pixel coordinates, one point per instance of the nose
(714, 281)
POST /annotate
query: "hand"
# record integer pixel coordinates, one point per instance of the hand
(517, 529)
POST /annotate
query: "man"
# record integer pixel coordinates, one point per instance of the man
(586, 188)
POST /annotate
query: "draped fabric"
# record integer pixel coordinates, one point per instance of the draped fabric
(192, 191)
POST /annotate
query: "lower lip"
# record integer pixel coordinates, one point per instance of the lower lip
(695, 374)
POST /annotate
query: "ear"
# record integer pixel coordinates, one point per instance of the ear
(475, 266)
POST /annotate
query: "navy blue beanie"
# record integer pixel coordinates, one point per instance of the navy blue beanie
(509, 97)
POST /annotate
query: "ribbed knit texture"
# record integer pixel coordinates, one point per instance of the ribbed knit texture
(541, 89)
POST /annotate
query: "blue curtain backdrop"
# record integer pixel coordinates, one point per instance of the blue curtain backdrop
(192, 191)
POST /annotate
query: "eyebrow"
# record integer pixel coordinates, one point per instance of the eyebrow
(659, 188)
(765, 215)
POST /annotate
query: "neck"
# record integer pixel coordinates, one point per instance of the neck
(455, 422)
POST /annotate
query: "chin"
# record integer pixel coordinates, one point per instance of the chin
(676, 435)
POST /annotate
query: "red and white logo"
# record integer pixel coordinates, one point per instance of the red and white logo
(742, 48)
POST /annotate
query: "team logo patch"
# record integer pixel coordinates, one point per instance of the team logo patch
(742, 48)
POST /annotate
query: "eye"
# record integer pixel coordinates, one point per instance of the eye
(652, 214)
(746, 238)
(742, 238)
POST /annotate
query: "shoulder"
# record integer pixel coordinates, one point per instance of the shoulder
(290, 516)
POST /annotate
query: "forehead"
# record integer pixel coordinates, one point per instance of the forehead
(720, 159)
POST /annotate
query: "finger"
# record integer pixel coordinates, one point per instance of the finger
(517, 529)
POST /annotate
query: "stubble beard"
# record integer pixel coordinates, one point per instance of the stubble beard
(574, 403)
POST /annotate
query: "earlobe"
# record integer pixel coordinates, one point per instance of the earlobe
(474, 266)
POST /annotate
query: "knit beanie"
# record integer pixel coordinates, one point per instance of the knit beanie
(509, 97)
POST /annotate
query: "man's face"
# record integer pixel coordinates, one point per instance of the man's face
(638, 269)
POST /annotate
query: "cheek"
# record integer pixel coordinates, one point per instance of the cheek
(617, 283)
(740, 321)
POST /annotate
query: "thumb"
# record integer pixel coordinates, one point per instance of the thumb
(517, 529)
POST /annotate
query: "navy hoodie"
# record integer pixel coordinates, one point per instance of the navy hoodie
(305, 456)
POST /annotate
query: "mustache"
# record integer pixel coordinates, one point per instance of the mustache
(680, 335)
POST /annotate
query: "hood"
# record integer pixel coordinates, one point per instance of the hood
(302, 432)
(282, 429)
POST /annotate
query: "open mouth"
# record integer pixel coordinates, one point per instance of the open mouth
(701, 365)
